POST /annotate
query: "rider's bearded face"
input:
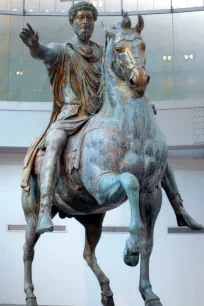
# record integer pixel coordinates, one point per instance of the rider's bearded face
(83, 24)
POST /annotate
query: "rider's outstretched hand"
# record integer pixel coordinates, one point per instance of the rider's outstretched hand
(29, 37)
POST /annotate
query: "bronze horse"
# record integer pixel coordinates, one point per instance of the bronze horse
(123, 157)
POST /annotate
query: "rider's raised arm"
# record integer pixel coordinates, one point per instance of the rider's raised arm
(39, 52)
(49, 54)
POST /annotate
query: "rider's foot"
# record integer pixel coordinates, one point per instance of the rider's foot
(45, 216)
(184, 219)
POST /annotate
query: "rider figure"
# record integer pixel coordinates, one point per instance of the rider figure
(74, 70)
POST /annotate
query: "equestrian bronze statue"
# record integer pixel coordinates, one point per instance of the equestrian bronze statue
(102, 147)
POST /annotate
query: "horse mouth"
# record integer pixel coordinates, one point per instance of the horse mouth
(139, 84)
(140, 93)
(138, 89)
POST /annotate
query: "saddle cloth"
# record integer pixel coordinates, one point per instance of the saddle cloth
(73, 149)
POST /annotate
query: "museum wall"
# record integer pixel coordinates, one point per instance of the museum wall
(182, 123)
(175, 86)
(174, 35)
(61, 276)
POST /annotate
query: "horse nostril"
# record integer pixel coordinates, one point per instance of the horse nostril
(148, 79)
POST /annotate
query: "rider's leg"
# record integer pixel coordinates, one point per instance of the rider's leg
(55, 142)
(171, 189)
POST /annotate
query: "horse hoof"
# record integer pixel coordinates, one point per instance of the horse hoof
(153, 302)
(107, 300)
(130, 258)
(31, 301)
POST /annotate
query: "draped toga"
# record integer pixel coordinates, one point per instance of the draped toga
(75, 78)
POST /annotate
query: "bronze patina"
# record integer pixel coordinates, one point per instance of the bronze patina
(74, 70)
(115, 149)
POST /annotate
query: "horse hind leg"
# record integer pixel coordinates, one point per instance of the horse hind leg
(31, 212)
(93, 229)
(150, 207)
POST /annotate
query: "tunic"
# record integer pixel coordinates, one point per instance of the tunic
(75, 78)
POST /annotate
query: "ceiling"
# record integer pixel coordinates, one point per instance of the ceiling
(50, 6)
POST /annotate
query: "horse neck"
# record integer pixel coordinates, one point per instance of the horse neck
(115, 89)
(118, 96)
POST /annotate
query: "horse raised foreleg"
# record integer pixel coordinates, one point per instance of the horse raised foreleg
(150, 207)
(93, 228)
(114, 188)
(136, 227)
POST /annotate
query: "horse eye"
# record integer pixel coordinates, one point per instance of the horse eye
(120, 49)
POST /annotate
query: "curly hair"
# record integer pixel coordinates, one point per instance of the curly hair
(79, 7)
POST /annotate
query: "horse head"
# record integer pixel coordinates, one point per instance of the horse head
(125, 52)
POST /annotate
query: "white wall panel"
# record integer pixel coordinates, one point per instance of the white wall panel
(177, 126)
(21, 122)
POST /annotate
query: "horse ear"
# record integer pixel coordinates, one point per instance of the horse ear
(140, 24)
(126, 22)
(109, 33)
